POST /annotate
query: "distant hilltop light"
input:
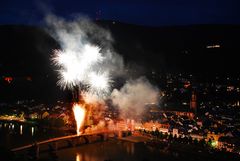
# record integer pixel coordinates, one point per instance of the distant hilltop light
(213, 46)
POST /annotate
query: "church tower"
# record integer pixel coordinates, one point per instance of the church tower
(193, 102)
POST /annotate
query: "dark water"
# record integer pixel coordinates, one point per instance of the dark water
(113, 150)
(13, 134)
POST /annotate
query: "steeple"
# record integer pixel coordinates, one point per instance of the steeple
(193, 102)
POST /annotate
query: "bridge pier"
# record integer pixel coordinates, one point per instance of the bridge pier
(52, 150)
(105, 137)
(86, 139)
(53, 146)
(73, 142)
(33, 153)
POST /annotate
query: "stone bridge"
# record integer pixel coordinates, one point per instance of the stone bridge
(54, 144)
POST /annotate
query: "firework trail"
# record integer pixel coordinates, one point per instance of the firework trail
(79, 114)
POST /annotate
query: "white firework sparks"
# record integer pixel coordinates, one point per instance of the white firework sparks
(66, 80)
(70, 71)
(99, 83)
(77, 68)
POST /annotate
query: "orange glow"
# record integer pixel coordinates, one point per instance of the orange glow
(187, 84)
(29, 78)
(78, 157)
(8, 79)
(79, 114)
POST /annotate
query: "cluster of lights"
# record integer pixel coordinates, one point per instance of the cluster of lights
(213, 46)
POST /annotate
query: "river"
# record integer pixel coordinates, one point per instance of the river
(15, 134)
(111, 150)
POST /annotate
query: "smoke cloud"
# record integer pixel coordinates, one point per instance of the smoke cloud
(133, 96)
(74, 35)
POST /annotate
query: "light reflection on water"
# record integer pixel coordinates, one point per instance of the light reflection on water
(113, 150)
(21, 129)
(130, 148)
(14, 134)
(78, 157)
(32, 131)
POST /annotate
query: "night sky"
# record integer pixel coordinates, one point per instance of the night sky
(142, 12)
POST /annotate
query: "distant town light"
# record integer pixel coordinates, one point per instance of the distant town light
(32, 131)
(213, 46)
(8, 79)
(21, 129)
(214, 144)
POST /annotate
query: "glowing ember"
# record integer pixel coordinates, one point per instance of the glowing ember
(79, 114)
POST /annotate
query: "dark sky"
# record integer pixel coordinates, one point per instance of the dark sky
(143, 12)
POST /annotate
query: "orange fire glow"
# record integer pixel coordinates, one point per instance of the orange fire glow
(79, 114)
(8, 79)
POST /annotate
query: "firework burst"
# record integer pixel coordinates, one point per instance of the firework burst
(99, 83)
(77, 68)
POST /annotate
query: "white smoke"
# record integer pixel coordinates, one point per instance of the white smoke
(133, 96)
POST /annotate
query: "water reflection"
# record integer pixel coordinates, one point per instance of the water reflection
(78, 157)
(130, 148)
(32, 131)
(14, 134)
(21, 129)
(110, 150)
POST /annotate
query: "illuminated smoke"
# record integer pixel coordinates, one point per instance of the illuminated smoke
(90, 98)
(133, 96)
(86, 59)
(79, 114)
